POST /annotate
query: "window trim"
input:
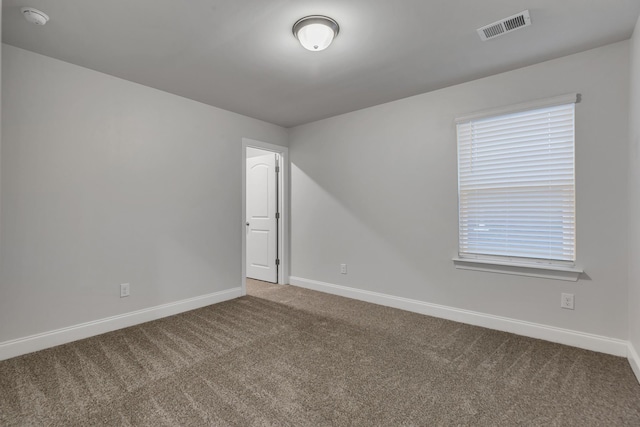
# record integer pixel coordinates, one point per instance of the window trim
(558, 270)
(542, 270)
(570, 98)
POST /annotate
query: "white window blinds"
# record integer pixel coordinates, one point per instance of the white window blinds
(516, 185)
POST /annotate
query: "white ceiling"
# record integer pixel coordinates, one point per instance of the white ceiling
(240, 55)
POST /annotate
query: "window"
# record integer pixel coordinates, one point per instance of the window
(516, 184)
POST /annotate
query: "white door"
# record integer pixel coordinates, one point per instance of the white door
(262, 225)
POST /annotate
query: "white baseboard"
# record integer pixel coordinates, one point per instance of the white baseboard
(634, 360)
(573, 338)
(20, 346)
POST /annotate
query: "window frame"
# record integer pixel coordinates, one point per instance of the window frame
(535, 267)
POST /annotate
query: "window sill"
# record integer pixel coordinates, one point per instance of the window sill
(521, 269)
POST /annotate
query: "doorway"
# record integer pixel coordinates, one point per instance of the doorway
(264, 212)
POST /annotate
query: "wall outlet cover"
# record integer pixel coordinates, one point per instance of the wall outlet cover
(566, 301)
(124, 290)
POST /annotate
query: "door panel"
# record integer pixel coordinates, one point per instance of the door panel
(261, 218)
(257, 246)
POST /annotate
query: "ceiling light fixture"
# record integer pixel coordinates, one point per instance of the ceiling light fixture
(315, 32)
(34, 16)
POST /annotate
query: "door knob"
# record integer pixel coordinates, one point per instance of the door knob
(247, 224)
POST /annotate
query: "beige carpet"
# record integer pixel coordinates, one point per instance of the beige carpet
(288, 356)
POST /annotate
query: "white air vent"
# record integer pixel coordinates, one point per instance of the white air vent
(505, 26)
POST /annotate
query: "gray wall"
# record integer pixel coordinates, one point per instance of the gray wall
(634, 192)
(0, 143)
(104, 182)
(377, 189)
(255, 152)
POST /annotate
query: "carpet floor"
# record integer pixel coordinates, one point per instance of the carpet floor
(286, 356)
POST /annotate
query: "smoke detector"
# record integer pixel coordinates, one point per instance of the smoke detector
(34, 16)
(505, 26)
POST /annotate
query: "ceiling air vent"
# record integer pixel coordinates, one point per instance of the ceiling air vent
(505, 26)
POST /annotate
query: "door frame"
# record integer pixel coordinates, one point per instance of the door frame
(283, 202)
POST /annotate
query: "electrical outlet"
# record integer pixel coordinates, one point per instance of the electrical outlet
(124, 290)
(566, 301)
(343, 268)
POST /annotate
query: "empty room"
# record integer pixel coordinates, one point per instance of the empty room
(320, 213)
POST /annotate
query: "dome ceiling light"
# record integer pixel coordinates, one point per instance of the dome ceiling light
(34, 16)
(315, 32)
